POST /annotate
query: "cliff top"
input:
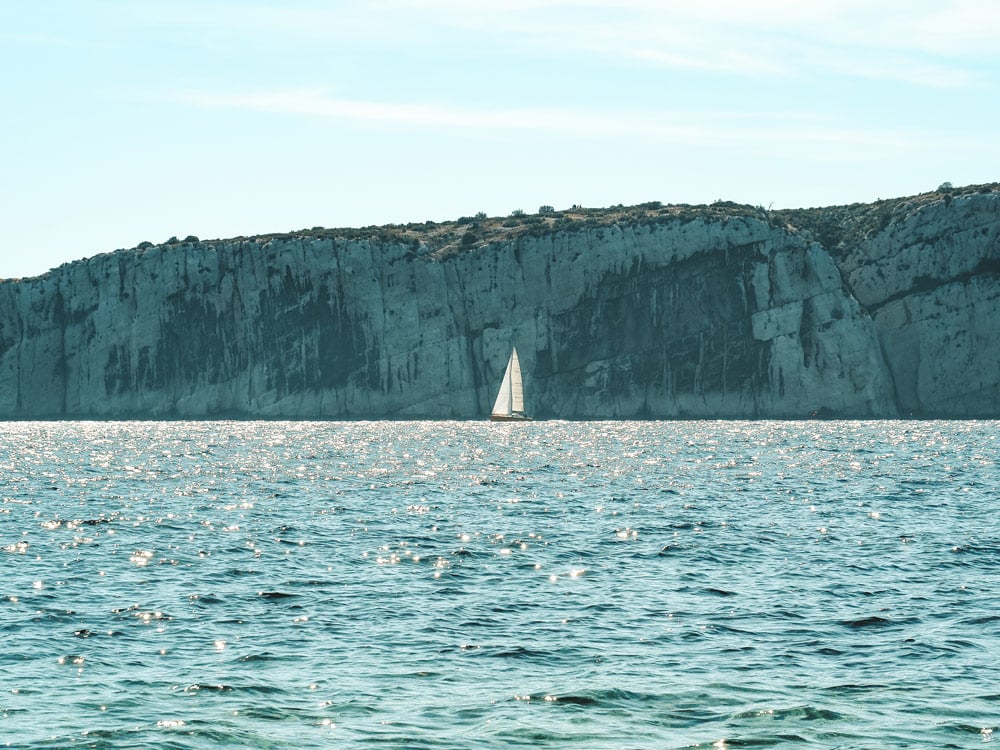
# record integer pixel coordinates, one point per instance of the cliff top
(834, 227)
(840, 227)
(837, 228)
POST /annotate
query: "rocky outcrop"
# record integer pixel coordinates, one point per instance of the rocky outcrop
(721, 311)
(930, 280)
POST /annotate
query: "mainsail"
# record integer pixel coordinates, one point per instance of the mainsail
(510, 399)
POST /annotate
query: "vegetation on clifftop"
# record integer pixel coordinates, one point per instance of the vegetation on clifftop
(834, 227)
(840, 227)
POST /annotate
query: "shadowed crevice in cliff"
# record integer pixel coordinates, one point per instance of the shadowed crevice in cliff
(987, 268)
(639, 339)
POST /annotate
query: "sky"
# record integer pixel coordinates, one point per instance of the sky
(124, 121)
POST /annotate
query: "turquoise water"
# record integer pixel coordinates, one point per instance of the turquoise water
(474, 585)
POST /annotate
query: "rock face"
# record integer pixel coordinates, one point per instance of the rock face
(931, 283)
(666, 312)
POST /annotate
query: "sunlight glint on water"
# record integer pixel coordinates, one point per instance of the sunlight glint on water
(629, 584)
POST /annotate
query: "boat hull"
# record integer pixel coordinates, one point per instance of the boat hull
(509, 418)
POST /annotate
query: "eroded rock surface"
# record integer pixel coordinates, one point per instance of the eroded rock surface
(663, 312)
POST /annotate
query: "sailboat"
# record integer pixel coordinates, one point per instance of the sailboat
(509, 406)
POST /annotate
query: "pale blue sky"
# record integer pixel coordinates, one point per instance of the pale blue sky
(125, 120)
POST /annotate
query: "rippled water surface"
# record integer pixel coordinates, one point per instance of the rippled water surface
(467, 585)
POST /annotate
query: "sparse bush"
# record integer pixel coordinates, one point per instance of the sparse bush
(469, 238)
(945, 187)
(517, 213)
(191, 238)
(546, 210)
(173, 241)
(481, 215)
(144, 245)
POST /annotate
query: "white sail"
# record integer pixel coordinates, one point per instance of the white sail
(510, 399)
(516, 389)
(502, 406)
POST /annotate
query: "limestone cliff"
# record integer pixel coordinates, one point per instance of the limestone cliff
(651, 311)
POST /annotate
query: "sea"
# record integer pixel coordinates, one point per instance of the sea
(678, 584)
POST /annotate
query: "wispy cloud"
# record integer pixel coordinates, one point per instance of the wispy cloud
(903, 69)
(933, 43)
(679, 127)
(732, 61)
(40, 40)
(936, 44)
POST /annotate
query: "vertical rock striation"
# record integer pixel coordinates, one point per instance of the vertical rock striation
(679, 312)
